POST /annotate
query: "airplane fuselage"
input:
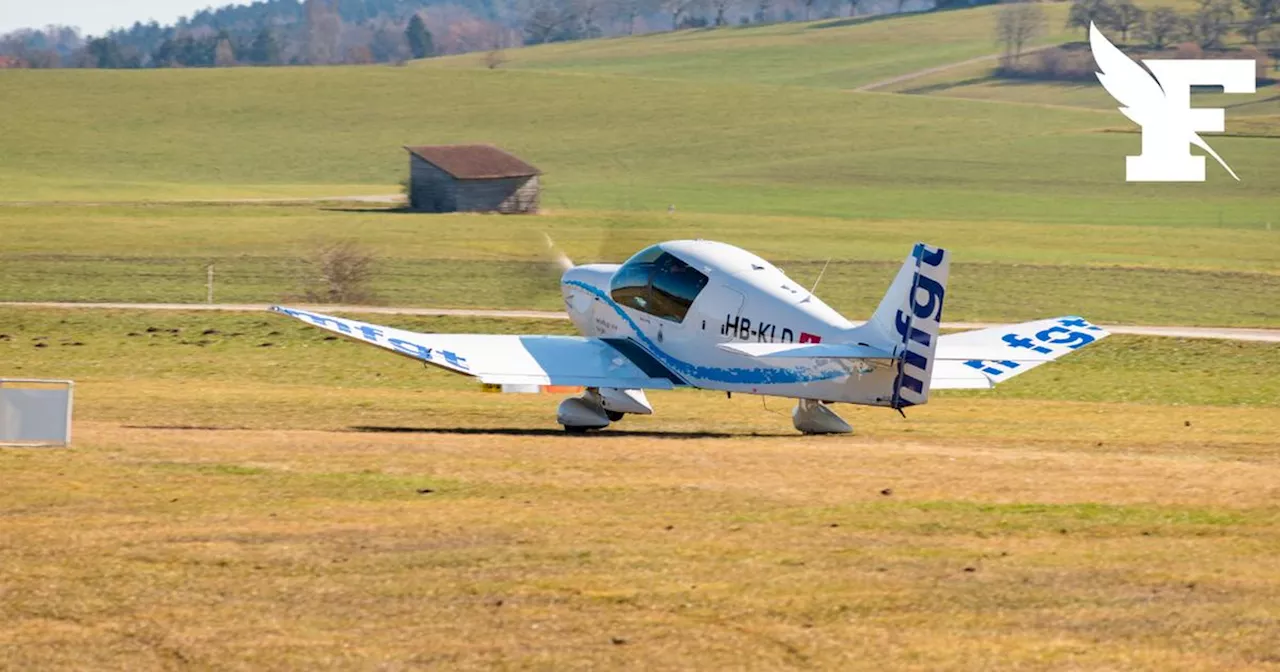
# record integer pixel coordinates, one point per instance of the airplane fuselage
(744, 299)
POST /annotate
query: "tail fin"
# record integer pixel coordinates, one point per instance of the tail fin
(909, 319)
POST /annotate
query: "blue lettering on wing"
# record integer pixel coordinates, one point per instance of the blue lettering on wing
(1016, 341)
(454, 359)
(1071, 339)
(370, 333)
(319, 320)
(1079, 322)
(419, 351)
(990, 368)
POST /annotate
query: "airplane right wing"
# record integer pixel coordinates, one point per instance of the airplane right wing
(509, 359)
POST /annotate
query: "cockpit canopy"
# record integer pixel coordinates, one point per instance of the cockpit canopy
(657, 283)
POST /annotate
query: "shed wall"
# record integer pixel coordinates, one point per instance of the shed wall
(430, 188)
(509, 195)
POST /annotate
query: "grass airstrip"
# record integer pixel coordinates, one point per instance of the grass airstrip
(245, 492)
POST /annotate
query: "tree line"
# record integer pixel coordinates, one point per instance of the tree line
(1205, 30)
(322, 32)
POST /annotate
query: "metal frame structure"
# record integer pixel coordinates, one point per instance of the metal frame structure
(70, 386)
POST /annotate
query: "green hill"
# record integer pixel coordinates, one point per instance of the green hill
(1032, 196)
(605, 141)
(840, 53)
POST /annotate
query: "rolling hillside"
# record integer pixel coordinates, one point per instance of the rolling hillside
(785, 163)
(839, 53)
(605, 141)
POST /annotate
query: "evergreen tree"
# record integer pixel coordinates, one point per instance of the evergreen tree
(265, 49)
(105, 53)
(419, 38)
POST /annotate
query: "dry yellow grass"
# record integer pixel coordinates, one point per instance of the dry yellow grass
(1041, 535)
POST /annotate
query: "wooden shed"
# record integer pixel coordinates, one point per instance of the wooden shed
(471, 178)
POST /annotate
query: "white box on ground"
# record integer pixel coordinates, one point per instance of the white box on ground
(35, 412)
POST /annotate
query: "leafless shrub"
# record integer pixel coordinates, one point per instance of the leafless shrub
(1052, 62)
(339, 272)
(1188, 50)
(494, 58)
(1017, 23)
(1262, 64)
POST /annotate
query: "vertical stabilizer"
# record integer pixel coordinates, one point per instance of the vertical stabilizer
(910, 317)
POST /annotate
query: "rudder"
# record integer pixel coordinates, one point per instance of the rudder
(910, 318)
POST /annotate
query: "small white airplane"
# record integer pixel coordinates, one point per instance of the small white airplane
(711, 316)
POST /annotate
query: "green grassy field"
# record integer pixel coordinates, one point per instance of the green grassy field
(976, 82)
(1031, 198)
(836, 53)
(705, 147)
(245, 492)
(1003, 270)
(230, 503)
(107, 347)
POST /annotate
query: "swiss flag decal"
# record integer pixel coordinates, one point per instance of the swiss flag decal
(806, 337)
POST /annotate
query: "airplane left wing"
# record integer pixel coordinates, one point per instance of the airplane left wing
(508, 359)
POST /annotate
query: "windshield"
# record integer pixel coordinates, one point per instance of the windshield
(657, 283)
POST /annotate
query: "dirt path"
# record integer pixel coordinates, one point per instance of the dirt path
(380, 199)
(1225, 333)
(939, 68)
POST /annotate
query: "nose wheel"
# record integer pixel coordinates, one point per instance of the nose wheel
(599, 407)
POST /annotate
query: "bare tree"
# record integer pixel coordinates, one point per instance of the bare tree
(494, 58)
(588, 12)
(1211, 22)
(677, 9)
(339, 272)
(1016, 24)
(1124, 17)
(722, 7)
(1084, 12)
(224, 56)
(550, 20)
(1161, 26)
(1262, 13)
(764, 11)
(627, 11)
(324, 28)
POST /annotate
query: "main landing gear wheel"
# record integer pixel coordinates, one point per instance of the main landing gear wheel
(579, 414)
(813, 417)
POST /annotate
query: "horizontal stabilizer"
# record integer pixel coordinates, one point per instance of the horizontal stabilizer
(982, 358)
(807, 350)
(952, 351)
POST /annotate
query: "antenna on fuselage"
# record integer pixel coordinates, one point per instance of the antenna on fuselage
(815, 282)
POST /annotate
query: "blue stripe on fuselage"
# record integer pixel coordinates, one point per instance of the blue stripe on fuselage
(769, 376)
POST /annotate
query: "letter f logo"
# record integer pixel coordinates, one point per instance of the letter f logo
(1162, 107)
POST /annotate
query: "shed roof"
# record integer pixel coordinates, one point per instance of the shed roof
(474, 162)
